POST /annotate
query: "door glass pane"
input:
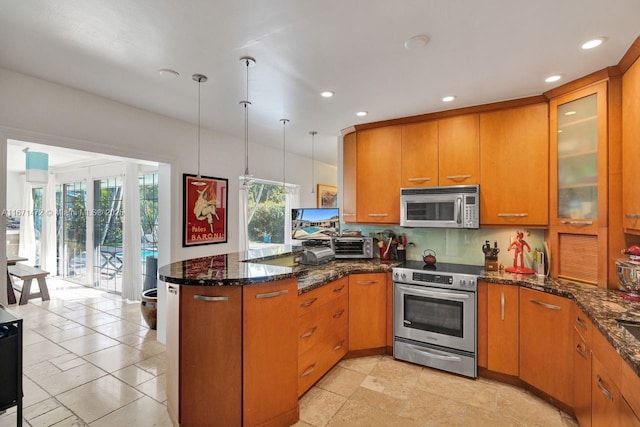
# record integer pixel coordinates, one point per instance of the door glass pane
(107, 234)
(149, 228)
(578, 158)
(434, 315)
(73, 237)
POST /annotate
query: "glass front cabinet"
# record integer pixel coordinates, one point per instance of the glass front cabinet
(578, 183)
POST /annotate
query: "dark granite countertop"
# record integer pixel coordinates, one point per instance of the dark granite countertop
(259, 266)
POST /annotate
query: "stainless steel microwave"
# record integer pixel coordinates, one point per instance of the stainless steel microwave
(455, 206)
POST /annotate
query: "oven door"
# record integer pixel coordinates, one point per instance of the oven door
(443, 210)
(441, 317)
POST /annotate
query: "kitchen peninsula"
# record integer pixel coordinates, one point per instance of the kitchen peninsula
(245, 354)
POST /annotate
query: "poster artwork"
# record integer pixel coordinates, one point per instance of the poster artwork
(205, 210)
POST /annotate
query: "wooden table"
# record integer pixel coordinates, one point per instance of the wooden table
(12, 260)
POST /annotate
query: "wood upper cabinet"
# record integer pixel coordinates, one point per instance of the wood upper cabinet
(546, 360)
(210, 356)
(270, 348)
(631, 148)
(420, 154)
(367, 311)
(502, 329)
(349, 173)
(514, 166)
(459, 150)
(378, 175)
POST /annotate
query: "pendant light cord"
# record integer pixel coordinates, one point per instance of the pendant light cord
(284, 152)
(247, 61)
(200, 78)
(313, 134)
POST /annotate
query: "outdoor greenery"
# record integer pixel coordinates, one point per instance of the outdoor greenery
(266, 206)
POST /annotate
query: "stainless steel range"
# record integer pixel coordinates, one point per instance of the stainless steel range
(434, 317)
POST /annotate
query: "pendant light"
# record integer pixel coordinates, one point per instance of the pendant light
(247, 61)
(313, 134)
(200, 78)
(284, 152)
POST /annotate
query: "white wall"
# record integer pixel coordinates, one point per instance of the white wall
(39, 111)
(15, 184)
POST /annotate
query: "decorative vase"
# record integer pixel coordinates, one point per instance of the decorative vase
(148, 306)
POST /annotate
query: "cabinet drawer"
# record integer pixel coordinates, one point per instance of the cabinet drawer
(608, 356)
(320, 296)
(315, 326)
(320, 358)
(630, 387)
(583, 325)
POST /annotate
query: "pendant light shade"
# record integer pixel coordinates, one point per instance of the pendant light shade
(284, 152)
(200, 78)
(36, 167)
(247, 61)
(313, 134)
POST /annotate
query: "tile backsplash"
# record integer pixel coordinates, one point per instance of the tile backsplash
(459, 246)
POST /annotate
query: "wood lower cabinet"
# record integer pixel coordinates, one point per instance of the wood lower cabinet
(581, 378)
(349, 174)
(231, 360)
(378, 178)
(630, 392)
(546, 361)
(503, 331)
(323, 327)
(269, 354)
(605, 397)
(514, 166)
(367, 311)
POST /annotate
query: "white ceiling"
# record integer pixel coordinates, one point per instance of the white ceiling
(480, 51)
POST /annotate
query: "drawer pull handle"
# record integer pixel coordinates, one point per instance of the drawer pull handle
(379, 214)
(581, 324)
(574, 222)
(173, 290)
(338, 314)
(309, 332)
(338, 346)
(367, 282)
(338, 289)
(308, 303)
(581, 352)
(458, 177)
(418, 179)
(512, 214)
(502, 305)
(632, 215)
(309, 370)
(210, 299)
(603, 389)
(272, 294)
(348, 214)
(545, 305)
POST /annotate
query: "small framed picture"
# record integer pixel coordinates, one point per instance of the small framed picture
(327, 196)
(204, 210)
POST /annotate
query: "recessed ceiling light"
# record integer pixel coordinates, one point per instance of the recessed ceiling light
(553, 78)
(361, 113)
(327, 94)
(167, 73)
(448, 98)
(593, 43)
(416, 42)
(570, 113)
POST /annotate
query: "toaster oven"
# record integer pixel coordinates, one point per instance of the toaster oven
(352, 247)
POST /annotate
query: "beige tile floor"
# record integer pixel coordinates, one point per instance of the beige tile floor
(89, 359)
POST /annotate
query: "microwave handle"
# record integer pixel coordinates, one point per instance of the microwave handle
(459, 209)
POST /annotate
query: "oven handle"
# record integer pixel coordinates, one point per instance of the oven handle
(436, 294)
(459, 207)
(434, 355)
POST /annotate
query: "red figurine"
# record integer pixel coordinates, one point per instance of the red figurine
(519, 244)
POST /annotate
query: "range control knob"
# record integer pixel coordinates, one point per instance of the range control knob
(404, 276)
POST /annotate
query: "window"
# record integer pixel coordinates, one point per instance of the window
(266, 214)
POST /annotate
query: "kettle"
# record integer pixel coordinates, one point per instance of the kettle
(429, 258)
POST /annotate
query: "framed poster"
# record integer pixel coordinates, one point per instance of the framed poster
(204, 210)
(327, 196)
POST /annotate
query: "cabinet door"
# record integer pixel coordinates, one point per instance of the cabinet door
(514, 166)
(459, 150)
(270, 347)
(605, 397)
(378, 178)
(631, 148)
(502, 329)
(579, 161)
(581, 377)
(545, 343)
(349, 177)
(420, 154)
(211, 356)
(367, 311)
